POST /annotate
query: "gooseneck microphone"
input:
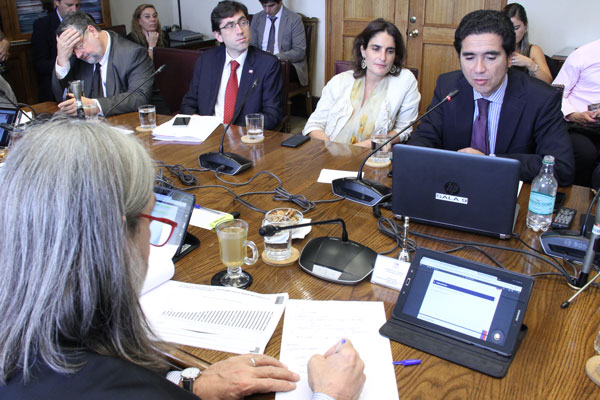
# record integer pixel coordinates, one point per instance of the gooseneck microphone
(158, 71)
(590, 253)
(334, 259)
(228, 163)
(367, 191)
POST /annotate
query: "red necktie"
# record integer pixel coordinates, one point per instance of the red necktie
(231, 93)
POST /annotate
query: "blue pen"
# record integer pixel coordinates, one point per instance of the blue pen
(407, 362)
(339, 346)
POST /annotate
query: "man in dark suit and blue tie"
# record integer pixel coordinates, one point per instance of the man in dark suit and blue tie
(497, 112)
(227, 75)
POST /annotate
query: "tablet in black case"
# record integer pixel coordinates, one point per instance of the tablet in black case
(465, 312)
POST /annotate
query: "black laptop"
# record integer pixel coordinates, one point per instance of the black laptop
(456, 190)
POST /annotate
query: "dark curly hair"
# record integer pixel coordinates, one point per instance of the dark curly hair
(363, 38)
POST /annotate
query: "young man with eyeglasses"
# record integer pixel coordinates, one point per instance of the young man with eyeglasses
(227, 75)
(280, 31)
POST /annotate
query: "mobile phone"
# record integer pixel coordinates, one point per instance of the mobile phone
(593, 107)
(295, 140)
(181, 121)
(559, 201)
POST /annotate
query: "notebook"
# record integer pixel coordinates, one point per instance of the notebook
(462, 311)
(456, 190)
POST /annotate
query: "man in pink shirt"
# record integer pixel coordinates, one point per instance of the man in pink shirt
(580, 105)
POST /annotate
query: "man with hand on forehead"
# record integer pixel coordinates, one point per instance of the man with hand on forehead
(110, 66)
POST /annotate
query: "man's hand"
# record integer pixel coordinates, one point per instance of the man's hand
(65, 43)
(471, 150)
(236, 378)
(4, 48)
(70, 108)
(337, 374)
(585, 118)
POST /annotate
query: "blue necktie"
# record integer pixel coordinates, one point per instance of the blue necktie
(271, 42)
(479, 137)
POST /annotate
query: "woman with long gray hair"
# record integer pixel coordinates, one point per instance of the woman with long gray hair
(75, 212)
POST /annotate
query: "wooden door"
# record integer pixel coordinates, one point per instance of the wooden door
(428, 26)
(430, 38)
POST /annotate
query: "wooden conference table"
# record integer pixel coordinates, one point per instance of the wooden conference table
(550, 363)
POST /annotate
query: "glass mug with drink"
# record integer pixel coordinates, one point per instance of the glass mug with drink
(232, 250)
(147, 117)
(383, 155)
(255, 127)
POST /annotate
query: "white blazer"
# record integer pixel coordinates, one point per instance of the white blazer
(334, 109)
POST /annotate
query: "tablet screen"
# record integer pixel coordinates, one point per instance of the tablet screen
(7, 116)
(176, 206)
(472, 302)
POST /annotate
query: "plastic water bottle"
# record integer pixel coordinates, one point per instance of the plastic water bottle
(541, 199)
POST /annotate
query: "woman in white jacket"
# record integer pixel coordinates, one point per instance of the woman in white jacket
(378, 94)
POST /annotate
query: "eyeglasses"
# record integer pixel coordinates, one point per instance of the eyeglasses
(243, 22)
(161, 229)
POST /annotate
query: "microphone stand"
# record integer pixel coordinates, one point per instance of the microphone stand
(228, 163)
(367, 191)
(158, 71)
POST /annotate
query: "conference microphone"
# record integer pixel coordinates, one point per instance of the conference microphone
(18, 107)
(334, 259)
(228, 163)
(590, 253)
(367, 191)
(158, 71)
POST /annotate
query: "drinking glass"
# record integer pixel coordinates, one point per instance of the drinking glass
(278, 247)
(232, 250)
(147, 116)
(383, 155)
(255, 126)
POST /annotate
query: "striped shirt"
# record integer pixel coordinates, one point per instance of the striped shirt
(495, 107)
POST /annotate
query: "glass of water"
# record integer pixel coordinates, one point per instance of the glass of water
(255, 126)
(383, 155)
(147, 116)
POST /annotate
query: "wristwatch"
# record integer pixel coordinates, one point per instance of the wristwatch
(532, 73)
(188, 376)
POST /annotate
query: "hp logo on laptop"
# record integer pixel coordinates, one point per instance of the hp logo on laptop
(452, 188)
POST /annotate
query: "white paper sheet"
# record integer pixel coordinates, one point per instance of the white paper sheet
(211, 317)
(197, 130)
(312, 327)
(160, 266)
(328, 175)
(202, 217)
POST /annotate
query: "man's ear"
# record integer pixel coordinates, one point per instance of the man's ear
(93, 31)
(218, 36)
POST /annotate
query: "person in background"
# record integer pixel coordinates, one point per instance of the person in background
(117, 73)
(580, 76)
(498, 111)
(235, 73)
(4, 47)
(378, 94)
(43, 45)
(280, 31)
(146, 30)
(527, 57)
(71, 327)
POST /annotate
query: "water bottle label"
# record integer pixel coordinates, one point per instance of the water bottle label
(540, 203)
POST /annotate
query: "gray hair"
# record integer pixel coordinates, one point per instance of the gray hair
(72, 192)
(77, 20)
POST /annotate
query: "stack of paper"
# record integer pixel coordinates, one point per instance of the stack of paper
(196, 131)
(312, 327)
(211, 317)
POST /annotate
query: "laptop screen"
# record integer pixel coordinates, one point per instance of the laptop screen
(472, 302)
(7, 116)
(174, 205)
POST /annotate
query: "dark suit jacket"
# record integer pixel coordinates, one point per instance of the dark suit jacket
(290, 37)
(128, 66)
(264, 98)
(43, 53)
(531, 124)
(101, 378)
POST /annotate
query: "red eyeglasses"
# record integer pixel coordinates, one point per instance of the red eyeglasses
(161, 229)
